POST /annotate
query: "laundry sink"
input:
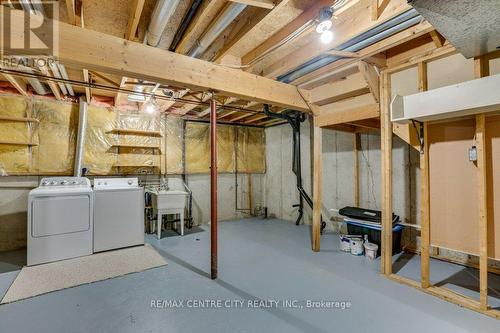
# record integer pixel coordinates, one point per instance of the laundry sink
(168, 199)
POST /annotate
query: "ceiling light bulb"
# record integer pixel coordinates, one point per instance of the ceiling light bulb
(150, 108)
(323, 26)
(326, 37)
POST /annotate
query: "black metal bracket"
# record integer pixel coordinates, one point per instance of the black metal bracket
(420, 134)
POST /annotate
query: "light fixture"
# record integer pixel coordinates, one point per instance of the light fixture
(151, 106)
(326, 37)
(324, 20)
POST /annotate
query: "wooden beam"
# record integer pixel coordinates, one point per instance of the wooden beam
(308, 15)
(333, 117)
(356, 146)
(437, 38)
(386, 159)
(323, 73)
(88, 92)
(344, 54)
(108, 54)
(52, 85)
(134, 18)
(119, 95)
(349, 24)
(378, 9)
(317, 188)
(18, 83)
(71, 10)
(335, 91)
(481, 69)
(253, 25)
(205, 14)
(425, 190)
(372, 78)
(268, 4)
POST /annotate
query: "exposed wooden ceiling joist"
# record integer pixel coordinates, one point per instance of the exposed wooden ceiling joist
(349, 24)
(268, 4)
(135, 16)
(286, 31)
(97, 51)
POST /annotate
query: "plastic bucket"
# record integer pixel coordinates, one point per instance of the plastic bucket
(371, 250)
(345, 243)
(357, 246)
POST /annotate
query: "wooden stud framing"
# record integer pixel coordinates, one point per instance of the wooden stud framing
(437, 38)
(357, 143)
(317, 187)
(481, 69)
(425, 191)
(386, 152)
(71, 10)
(267, 4)
(335, 117)
(135, 16)
(372, 78)
(18, 83)
(378, 9)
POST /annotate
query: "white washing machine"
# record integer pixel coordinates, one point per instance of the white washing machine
(60, 219)
(118, 213)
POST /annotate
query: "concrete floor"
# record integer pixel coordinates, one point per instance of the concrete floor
(259, 260)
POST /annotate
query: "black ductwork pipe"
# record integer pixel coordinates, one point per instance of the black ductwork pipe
(184, 24)
(294, 118)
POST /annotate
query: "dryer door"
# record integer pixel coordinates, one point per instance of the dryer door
(60, 215)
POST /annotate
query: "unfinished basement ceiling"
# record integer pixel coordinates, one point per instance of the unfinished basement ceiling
(473, 27)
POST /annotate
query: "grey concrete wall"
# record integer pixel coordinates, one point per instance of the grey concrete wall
(14, 201)
(338, 173)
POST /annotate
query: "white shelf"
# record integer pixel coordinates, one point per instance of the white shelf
(463, 99)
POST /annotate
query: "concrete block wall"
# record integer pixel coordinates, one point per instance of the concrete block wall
(338, 173)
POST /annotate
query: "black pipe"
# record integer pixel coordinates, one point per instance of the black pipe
(295, 118)
(184, 24)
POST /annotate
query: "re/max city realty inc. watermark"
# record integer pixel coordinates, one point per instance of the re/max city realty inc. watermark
(29, 32)
(249, 304)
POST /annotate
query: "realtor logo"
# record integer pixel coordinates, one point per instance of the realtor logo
(29, 28)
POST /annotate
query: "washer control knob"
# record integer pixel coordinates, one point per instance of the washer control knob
(53, 182)
(64, 182)
(75, 182)
(45, 183)
(130, 182)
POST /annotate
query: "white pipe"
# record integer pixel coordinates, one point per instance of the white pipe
(55, 71)
(162, 12)
(216, 28)
(80, 140)
(64, 74)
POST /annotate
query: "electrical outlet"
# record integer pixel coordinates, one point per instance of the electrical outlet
(473, 154)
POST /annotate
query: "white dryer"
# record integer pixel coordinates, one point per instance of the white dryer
(60, 219)
(118, 213)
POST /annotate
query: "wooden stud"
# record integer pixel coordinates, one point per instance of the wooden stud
(437, 38)
(386, 152)
(54, 87)
(71, 10)
(425, 212)
(425, 190)
(357, 143)
(372, 78)
(333, 117)
(135, 16)
(88, 93)
(267, 4)
(378, 9)
(317, 187)
(18, 83)
(481, 69)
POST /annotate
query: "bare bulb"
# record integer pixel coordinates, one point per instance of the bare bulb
(326, 36)
(150, 108)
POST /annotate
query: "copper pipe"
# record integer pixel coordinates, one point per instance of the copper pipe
(213, 189)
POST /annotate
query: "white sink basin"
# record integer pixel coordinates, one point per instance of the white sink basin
(162, 199)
